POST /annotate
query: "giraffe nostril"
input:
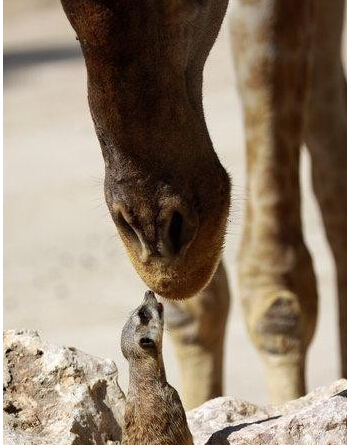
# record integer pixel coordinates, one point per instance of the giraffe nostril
(124, 226)
(175, 231)
(168, 235)
(180, 230)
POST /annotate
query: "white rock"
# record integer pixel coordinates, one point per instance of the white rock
(58, 396)
(320, 418)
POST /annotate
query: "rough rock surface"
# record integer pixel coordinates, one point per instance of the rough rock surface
(320, 418)
(60, 396)
(57, 395)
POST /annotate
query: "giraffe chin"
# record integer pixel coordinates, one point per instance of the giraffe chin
(173, 283)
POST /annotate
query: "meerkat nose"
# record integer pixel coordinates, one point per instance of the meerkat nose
(150, 298)
(149, 294)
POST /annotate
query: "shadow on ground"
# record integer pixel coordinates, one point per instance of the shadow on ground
(342, 394)
(221, 437)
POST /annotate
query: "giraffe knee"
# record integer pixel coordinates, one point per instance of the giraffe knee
(278, 327)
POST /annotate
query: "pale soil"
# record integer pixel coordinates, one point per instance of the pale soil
(65, 271)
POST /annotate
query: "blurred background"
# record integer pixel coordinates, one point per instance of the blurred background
(65, 271)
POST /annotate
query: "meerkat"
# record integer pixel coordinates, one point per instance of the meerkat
(154, 414)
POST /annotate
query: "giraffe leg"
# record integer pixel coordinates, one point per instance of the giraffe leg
(271, 44)
(326, 138)
(197, 327)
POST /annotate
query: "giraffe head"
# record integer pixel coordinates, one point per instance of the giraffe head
(165, 188)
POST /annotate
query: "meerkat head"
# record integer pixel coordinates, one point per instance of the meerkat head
(143, 332)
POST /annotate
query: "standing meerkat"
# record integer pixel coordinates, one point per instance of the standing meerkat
(154, 414)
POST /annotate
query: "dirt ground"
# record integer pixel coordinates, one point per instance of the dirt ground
(65, 270)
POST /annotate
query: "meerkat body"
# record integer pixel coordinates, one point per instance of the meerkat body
(154, 414)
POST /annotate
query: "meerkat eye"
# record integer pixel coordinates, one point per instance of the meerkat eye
(144, 316)
(147, 343)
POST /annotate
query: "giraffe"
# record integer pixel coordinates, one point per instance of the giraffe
(168, 194)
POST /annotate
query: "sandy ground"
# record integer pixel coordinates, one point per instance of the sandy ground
(65, 271)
